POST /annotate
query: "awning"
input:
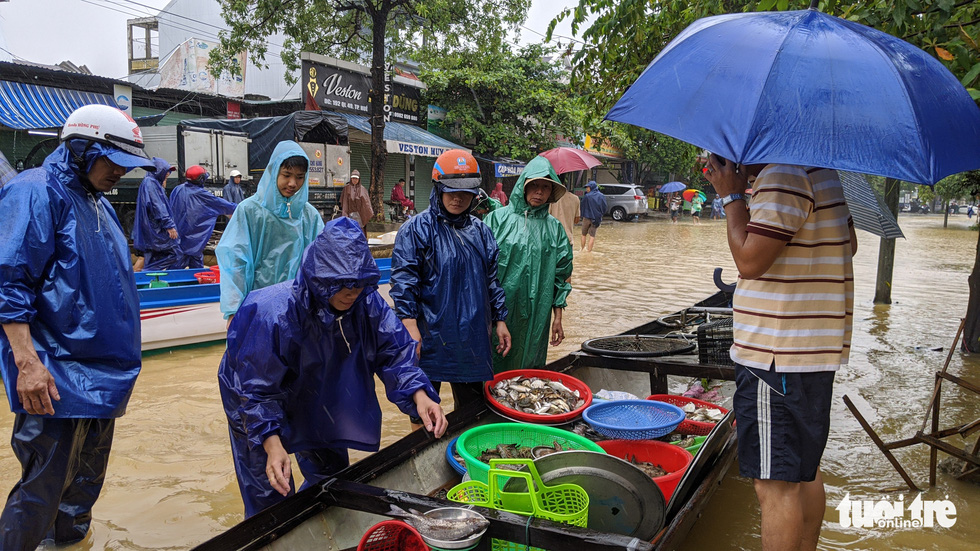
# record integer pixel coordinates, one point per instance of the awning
(29, 107)
(405, 138)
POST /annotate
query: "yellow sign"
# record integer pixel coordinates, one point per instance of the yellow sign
(602, 147)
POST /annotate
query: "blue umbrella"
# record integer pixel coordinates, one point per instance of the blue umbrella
(671, 187)
(806, 88)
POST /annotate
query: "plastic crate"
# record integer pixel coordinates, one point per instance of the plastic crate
(715, 341)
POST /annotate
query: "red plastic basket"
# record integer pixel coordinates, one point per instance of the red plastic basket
(217, 273)
(392, 535)
(673, 459)
(571, 382)
(697, 428)
(206, 277)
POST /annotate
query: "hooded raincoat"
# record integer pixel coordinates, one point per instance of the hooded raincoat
(153, 215)
(264, 241)
(444, 275)
(498, 194)
(195, 210)
(534, 266)
(593, 204)
(65, 269)
(355, 199)
(297, 368)
(233, 192)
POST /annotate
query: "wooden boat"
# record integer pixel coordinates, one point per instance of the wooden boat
(185, 311)
(336, 513)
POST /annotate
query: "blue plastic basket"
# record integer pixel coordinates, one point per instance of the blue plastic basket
(452, 460)
(633, 419)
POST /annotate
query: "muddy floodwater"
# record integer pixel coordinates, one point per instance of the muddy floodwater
(171, 484)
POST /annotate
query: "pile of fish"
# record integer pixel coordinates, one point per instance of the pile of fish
(650, 469)
(536, 395)
(704, 415)
(516, 451)
(441, 528)
(585, 430)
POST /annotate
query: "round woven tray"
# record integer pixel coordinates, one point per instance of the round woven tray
(645, 346)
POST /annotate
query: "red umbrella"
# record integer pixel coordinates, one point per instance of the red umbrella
(569, 159)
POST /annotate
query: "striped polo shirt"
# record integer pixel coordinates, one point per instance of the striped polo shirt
(798, 314)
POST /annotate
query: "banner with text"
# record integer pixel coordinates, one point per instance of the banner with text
(340, 89)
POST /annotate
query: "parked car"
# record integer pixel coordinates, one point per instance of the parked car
(624, 201)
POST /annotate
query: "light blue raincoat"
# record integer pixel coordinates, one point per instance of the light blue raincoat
(264, 242)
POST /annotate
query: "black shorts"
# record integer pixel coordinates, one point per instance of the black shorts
(462, 393)
(783, 420)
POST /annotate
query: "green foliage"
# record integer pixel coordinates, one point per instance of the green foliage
(622, 37)
(512, 104)
(345, 28)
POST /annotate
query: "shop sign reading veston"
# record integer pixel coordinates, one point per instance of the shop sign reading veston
(342, 89)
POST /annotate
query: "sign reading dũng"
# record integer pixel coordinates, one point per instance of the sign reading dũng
(346, 88)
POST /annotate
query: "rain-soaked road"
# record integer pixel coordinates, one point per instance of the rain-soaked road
(171, 484)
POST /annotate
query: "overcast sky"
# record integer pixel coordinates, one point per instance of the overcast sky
(93, 32)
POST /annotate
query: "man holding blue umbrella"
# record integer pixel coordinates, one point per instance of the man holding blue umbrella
(780, 93)
(792, 331)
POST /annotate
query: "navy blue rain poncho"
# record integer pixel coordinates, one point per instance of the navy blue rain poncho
(233, 192)
(74, 286)
(444, 275)
(195, 211)
(153, 216)
(593, 204)
(295, 368)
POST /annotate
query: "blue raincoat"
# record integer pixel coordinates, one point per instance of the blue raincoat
(233, 192)
(444, 275)
(297, 368)
(264, 242)
(65, 269)
(535, 264)
(593, 204)
(153, 216)
(195, 210)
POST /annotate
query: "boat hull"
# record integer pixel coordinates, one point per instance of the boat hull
(335, 514)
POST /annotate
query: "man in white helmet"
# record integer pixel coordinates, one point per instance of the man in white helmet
(70, 345)
(233, 189)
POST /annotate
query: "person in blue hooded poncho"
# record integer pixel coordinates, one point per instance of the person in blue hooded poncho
(233, 191)
(154, 231)
(593, 207)
(444, 282)
(298, 374)
(70, 345)
(195, 211)
(534, 267)
(264, 242)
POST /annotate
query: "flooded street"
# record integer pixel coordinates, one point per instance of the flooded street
(171, 484)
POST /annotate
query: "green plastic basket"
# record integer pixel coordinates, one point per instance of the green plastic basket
(473, 442)
(502, 545)
(471, 492)
(566, 503)
(693, 448)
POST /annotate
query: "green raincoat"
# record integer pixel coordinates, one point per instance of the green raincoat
(534, 265)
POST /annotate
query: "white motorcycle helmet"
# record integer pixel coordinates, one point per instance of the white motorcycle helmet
(108, 125)
(234, 173)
